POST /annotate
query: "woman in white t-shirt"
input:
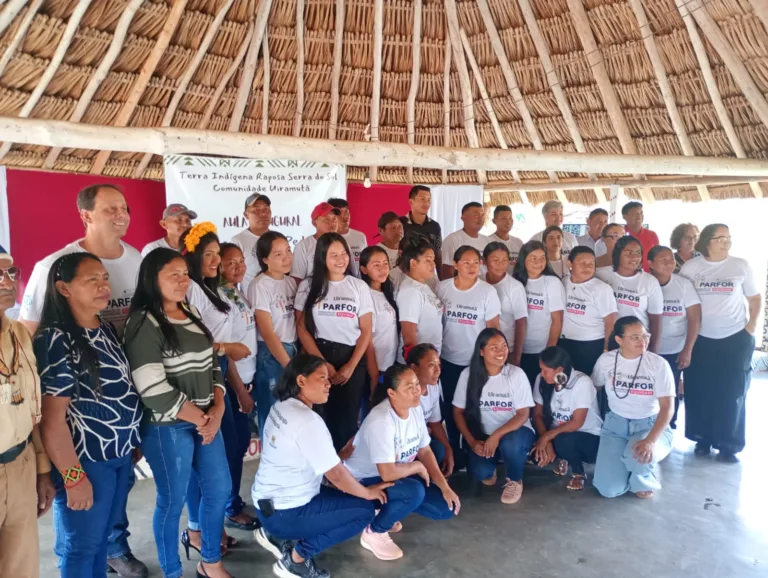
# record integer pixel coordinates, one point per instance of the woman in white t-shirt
(393, 446)
(681, 320)
(717, 380)
(396, 273)
(492, 407)
(637, 293)
(425, 363)
(612, 232)
(590, 312)
(290, 500)
(513, 319)
(546, 301)
(334, 313)
(271, 295)
(421, 311)
(636, 433)
(552, 237)
(566, 417)
(469, 306)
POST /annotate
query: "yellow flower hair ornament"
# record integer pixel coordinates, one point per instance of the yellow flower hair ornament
(192, 240)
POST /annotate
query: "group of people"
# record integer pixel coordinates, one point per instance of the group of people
(373, 374)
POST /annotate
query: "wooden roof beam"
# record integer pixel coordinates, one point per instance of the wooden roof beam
(53, 65)
(414, 90)
(338, 47)
(653, 183)
(29, 15)
(299, 67)
(184, 81)
(378, 45)
(11, 10)
(266, 86)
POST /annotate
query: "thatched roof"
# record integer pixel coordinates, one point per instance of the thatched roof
(122, 62)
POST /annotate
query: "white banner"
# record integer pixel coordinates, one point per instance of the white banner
(216, 189)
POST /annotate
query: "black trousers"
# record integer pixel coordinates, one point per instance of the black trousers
(584, 354)
(577, 448)
(529, 363)
(343, 407)
(449, 377)
(671, 358)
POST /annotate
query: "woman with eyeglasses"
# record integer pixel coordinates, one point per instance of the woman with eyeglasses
(612, 232)
(636, 434)
(683, 240)
(681, 320)
(716, 383)
(637, 293)
(552, 237)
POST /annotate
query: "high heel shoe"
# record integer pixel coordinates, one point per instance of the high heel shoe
(187, 544)
(204, 574)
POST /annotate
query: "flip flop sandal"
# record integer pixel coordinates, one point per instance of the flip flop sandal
(561, 468)
(254, 524)
(576, 483)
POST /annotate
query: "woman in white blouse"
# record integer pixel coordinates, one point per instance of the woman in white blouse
(636, 434)
(552, 237)
(717, 381)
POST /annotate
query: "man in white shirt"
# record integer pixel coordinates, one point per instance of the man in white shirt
(553, 217)
(355, 239)
(177, 219)
(325, 218)
(503, 219)
(104, 213)
(391, 232)
(596, 222)
(258, 211)
(473, 217)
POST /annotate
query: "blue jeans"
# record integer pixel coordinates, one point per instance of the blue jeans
(174, 452)
(330, 518)
(81, 536)
(268, 373)
(513, 447)
(616, 470)
(118, 538)
(236, 430)
(438, 449)
(406, 496)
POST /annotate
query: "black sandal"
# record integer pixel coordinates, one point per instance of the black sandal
(254, 524)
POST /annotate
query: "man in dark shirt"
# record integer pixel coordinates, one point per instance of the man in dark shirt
(417, 221)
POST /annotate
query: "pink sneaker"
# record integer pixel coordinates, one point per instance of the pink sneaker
(512, 492)
(490, 481)
(381, 545)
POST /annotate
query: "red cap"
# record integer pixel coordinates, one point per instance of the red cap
(323, 209)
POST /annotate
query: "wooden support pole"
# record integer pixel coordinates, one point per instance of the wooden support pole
(378, 46)
(415, 70)
(338, 47)
(446, 98)
(266, 85)
(300, 32)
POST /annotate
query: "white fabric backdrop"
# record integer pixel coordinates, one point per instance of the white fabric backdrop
(447, 201)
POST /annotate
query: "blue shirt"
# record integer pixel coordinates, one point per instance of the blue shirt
(105, 426)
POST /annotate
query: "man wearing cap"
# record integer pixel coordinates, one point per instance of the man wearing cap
(325, 218)
(355, 239)
(391, 232)
(177, 219)
(553, 217)
(258, 211)
(26, 490)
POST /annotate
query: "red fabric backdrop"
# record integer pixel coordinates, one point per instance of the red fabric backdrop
(367, 205)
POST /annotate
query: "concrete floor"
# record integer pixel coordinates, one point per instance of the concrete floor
(709, 521)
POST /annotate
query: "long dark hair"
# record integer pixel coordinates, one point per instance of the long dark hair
(413, 246)
(303, 364)
(706, 235)
(148, 299)
(619, 328)
(478, 377)
(553, 357)
(494, 246)
(621, 244)
(417, 353)
(520, 272)
(388, 288)
(318, 285)
(194, 259)
(552, 229)
(392, 377)
(57, 314)
(264, 247)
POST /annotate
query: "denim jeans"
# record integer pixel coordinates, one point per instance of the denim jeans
(81, 536)
(438, 449)
(406, 496)
(268, 372)
(616, 470)
(118, 538)
(577, 448)
(174, 452)
(330, 518)
(236, 431)
(513, 447)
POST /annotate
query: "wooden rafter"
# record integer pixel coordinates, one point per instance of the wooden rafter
(142, 80)
(414, 89)
(249, 68)
(299, 67)
(446, 98)
(11, 10)
(378, 46)
(20, 33)
(338, 47)
(760, 8)
(266, 88)
(53, 65)
(187, 77)
(115, 46)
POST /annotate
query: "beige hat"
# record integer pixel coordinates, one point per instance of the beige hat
(6, 257)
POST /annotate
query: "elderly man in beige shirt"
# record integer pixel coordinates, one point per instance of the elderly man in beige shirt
(25, 479)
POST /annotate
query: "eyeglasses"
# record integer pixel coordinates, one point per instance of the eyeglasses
(722, 239)
(691, 238)
(615, 236)
(12, 272)
(642, 337)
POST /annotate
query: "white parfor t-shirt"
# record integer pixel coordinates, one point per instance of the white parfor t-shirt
(276, 298)
(123, 274)
(357, 242)
(247, 243)
(219, 323)
(430, 404)
(569, 242)
(679, 295)
(579, 393)
(513, 244)
(304, 258)
(465, 314)
(586, 306)
(561, 269)
(545, 296)
(418, 304)
(636, 399)
(297, 450)
(502, 395)
(243, 331)
(458, 239)
(385, 334)
(514, 306)
(337, 316)
(397, 275)
(386, 438)
(722, 287)
(160, 243)
(638, 295)
(392, 255)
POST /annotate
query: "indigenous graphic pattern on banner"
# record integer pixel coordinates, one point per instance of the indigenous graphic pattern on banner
(216, 189)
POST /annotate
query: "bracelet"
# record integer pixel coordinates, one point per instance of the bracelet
(73, 476)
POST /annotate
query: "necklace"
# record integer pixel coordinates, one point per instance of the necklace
(8, 371)
(10, 388)
(634, 377)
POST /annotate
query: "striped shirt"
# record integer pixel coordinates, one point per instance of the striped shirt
(167, 379)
